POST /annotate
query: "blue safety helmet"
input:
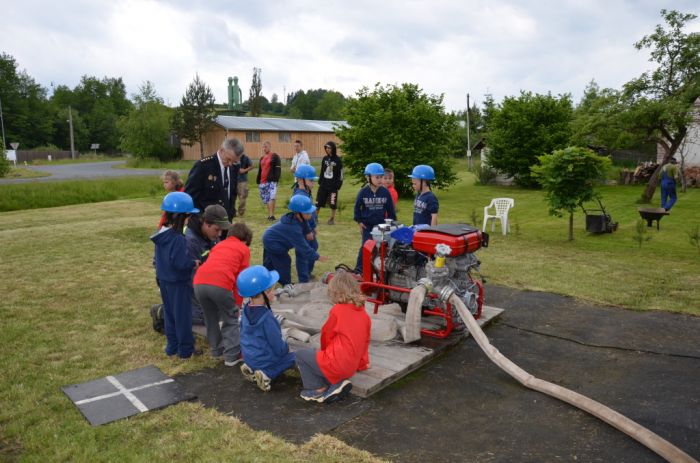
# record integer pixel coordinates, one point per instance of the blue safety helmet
(374, 168)
(301, 204)
(423, 172)
(306, 172)
(255, 280)
(180, 202)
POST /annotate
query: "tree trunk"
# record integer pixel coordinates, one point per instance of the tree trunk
(571, 226)
(201, 147)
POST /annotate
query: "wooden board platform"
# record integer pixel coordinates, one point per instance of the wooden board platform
(391, 361)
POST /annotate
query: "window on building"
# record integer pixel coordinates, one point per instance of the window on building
(252, 137)
(285, 137)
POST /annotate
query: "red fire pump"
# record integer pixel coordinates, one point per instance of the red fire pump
(399, 258)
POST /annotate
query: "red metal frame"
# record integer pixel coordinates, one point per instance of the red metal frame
(369, 284)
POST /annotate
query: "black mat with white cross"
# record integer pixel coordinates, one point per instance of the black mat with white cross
(115, 397)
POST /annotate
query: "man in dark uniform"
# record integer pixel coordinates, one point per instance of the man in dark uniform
(213, 179)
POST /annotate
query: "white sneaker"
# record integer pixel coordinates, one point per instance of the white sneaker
(248, 373)
(233, 363)
(262, 380)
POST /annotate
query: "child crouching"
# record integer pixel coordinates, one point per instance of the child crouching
(344, 344)
(265, 353)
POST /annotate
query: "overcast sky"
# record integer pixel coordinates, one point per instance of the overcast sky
(444, 46)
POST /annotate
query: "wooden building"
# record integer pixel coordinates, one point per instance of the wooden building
(254, 131)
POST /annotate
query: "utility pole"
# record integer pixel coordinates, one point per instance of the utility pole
(70, 125)
(2, 123)
(469, 144)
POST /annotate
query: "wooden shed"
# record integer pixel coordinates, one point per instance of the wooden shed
(254, 131)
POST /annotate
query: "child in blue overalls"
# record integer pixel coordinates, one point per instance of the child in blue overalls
(372, 206)
(305, 176)
(265, 353)
(425, 206)
(174, 269)
(286, 234)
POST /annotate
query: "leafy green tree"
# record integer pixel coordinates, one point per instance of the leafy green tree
(25, 107)
(145, 130)
(568, 177)
(399, 127)
(523, 128)
(101, 102)
(195, 115)
(330, 107)
(660, 102)
(4, 163)
(255, 99)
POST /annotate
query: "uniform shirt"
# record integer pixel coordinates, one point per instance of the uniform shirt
(286, 234)
(371, 207)
(344, 342)
(425, 205)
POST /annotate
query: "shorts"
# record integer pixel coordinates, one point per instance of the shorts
(268, 191)
(326, 196)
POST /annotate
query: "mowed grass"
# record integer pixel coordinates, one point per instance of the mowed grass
(78, 282)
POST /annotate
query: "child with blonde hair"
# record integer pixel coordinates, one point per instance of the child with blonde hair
(171, 182)
(344, 344)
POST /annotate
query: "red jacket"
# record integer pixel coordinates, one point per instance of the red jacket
(226, 260)
(394, 195)
(344, 342)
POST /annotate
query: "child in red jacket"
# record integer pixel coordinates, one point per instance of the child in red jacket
(344, 344)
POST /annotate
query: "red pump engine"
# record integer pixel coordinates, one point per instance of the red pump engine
(397, 258)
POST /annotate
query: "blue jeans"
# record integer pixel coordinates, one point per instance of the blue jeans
(668, 194)
(305, 266)
(177, 312)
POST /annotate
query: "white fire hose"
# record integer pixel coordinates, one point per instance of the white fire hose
(651, 440)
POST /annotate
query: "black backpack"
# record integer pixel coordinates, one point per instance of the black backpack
(157, 318)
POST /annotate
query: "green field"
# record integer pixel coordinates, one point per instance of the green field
(78, 282)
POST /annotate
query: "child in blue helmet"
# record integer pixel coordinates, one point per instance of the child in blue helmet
(286, 234)
(305, 176)
(426, 206)
(174, 269)
(372, 206)
(266, 354)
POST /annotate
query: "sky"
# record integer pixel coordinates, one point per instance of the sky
(449, 47)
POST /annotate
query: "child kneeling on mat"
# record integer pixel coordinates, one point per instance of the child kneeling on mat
(344, 344)
(265, 353)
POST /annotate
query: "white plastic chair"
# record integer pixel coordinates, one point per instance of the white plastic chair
(501, 206)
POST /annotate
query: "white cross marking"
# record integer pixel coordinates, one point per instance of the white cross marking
(126, 392)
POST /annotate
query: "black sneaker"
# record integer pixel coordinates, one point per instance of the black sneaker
(271, 218)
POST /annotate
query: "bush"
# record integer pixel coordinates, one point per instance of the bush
(484, 174)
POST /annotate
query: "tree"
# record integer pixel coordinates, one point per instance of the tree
(195, 115)
(523, 128)
(255, 94)
(568, 177)
(4, 163)
(145, 130)
(660, 102)
(330, 107)
(399, 127)
(26, 110)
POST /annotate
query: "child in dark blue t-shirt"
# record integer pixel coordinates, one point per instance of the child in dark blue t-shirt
(372, 206)
(426, 206)
(266, 354)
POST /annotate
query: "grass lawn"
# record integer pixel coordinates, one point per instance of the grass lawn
(78, 283)
(84, 157)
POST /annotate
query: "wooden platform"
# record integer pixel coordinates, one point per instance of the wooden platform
(391, 361)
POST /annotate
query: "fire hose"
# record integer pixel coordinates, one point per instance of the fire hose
(638, 432)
